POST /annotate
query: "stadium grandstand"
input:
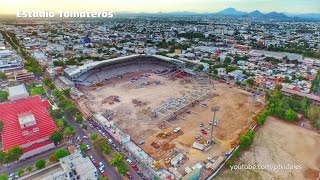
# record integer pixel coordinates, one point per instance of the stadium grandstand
(96, 72)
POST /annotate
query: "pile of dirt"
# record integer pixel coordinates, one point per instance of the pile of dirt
(168, 146)
(155, 145)
(137, 102)
(110, 100)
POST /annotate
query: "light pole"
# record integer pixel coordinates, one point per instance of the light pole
(214, 109)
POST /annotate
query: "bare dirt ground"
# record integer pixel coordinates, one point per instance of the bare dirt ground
(134, 117)
(128, 113)
(232, 118)
(278, 142)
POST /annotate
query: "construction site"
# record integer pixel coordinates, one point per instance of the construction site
(169, 114)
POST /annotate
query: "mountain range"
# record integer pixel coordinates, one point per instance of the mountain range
(235, 13)
(253, 14)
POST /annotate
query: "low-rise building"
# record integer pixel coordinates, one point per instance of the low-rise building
(27, 124)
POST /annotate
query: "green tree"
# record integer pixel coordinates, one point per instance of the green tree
(61, 123)
(71, 109)
(69, 130)
(236, 153)
(58, 94)
(93, 136)
(79, 119)
(60, 153)
(3, 96)
(56, 113)
(52, 86)
(102, 145)
(29, 168)
(231, 68)
(229, 163)
(83, 147)
(13, 154)
(4, 177)
(245, 141)
(291, 115)
(66, 92)
(117, 159)
(313, 114)
(3, 76)
(53, 158)
(287, 80)
(41, 163)
(19, 172)
(250, 81)
(47, 81)
(123, 168)
(2, 157)
(200, 67)
(56, 137)
(64, 103)
(227, 61)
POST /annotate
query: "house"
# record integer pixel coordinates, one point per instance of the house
(221, 71)
(27, 123)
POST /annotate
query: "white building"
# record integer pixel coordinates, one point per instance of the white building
(18, 92)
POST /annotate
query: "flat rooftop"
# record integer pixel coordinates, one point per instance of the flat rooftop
(83, 166)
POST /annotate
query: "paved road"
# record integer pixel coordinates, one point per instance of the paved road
(90, 130)
(111, 172)
(28, 162)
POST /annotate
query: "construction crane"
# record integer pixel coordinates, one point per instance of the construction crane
(215, 109)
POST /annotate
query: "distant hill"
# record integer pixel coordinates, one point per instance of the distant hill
(275, 15)
(231, 11)
(255, 13)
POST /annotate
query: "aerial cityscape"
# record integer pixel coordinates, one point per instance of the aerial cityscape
(161, 90)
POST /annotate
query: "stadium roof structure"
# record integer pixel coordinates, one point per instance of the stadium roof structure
(77, 71)
(16, 134)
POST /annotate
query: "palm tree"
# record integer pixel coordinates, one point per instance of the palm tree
(117, 159)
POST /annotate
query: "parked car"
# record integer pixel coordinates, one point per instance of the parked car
(204, 131)
(85, 137)
(88, 147)
(129, 175)
(129, 161)
(134, 167)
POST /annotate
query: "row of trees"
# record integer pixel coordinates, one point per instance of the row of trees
(299, 49)
(31, 64)
(118, 161)
(58, 154)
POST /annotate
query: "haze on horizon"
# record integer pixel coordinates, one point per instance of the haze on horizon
(289, 6)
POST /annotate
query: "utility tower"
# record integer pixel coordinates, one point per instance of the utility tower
(214, 110)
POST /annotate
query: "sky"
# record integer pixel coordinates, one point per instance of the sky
(290, 6)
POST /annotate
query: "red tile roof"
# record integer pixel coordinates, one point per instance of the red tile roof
(12, 133)
(36, 146)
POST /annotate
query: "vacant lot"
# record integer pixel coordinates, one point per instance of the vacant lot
(278, 142)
